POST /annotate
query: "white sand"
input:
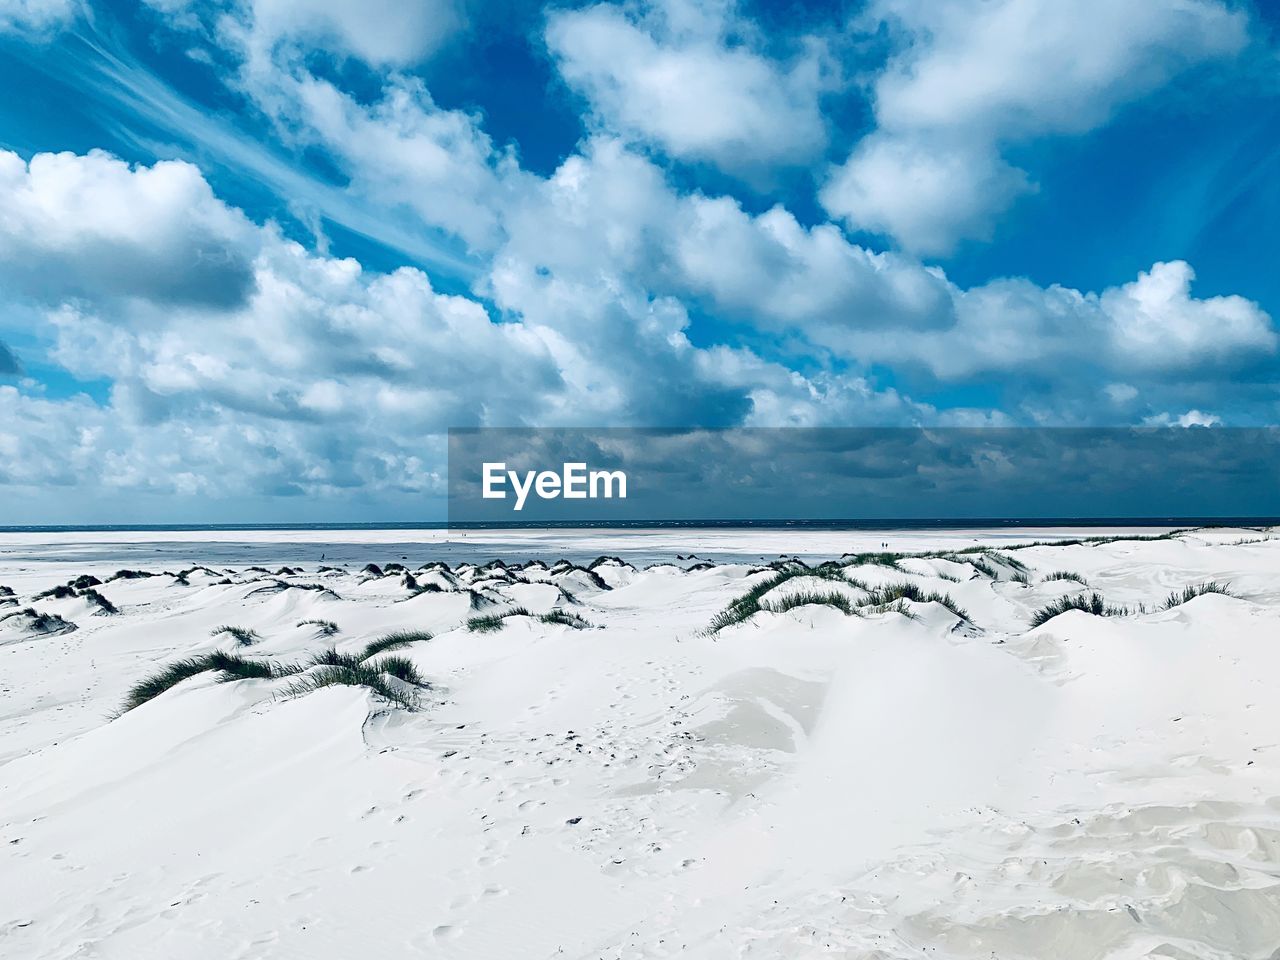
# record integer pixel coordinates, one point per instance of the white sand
(807, 784)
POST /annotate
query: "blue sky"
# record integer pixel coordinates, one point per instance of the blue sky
(256, 256)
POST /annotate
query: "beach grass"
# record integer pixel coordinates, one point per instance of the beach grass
(347, 675)
(327, 628)
(804, 598)
(893, 592)
(1065, 575)
(743, 608)
(401, 668)
(493, 621)
(394, 641)
(1091, 603)
(566, 619)
(241, 635)
(1179, 597)
(229, 665)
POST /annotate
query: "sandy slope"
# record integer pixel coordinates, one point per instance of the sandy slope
(806, 784)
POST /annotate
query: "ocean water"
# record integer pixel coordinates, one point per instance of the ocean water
(175, 547)
(873, 523)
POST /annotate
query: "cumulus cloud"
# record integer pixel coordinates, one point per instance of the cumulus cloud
(1192, 418)
(608, 225)
(383, 33)
(402, 151)
(777, 274)
(93, 226)
(973, 76)
(36, 15)
(1155, 322)
(689, 79)
(1152, 325)
(322, 377)
(925, 191)
(316, 371)
(1120, 392)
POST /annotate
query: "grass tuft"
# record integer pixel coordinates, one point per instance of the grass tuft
(1091, 603)
(60, 592)
(894, 606)
(1179, 597)
(493, 621)
(332, 658)
(749, 604)
(45, 624)
(394, 641)
(163, 679)
(893, 592)
(804, 598)
(230, 667)
(99, 601)
(1066, 575)
(878, 558)
(233, 666)
(244, 637)
(360, 675)
(567, 619)
(402, 669)
(327, 628)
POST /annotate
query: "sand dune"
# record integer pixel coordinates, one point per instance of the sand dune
(895, 781)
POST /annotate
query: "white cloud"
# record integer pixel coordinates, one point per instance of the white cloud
(676, 74)
(1152, 326)
(1155, 322)
(972, 76)
(1120, 393)
(416, 164)
(322, 377)
(383, 33)
(608, 228)
(92, 225)
(1192, 418)
(36, 15)
(925, 192)
(778, 274)
(404, 152)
